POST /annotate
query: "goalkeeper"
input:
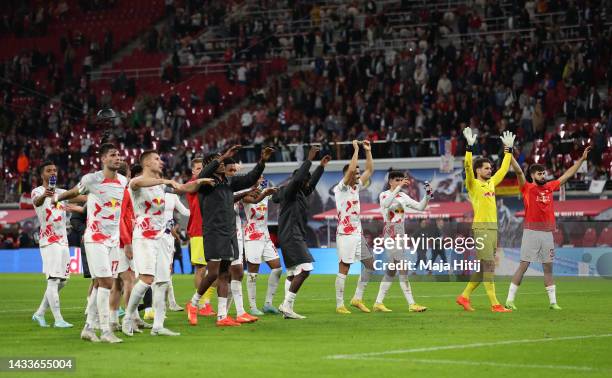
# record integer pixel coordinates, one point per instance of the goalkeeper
(481, 190)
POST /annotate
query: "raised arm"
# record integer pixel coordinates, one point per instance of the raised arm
(353, 163)
(409, 203)
(238, 183)
(519, 172)
(254, 192)
(369, 167)
(316, 176)
(194, 186)
(249, 198)
(38, 196)
(501, 172)
(146, 182)
(69, 194)
(387, 200)
(470, 137)
(298, 178)
(574, 168)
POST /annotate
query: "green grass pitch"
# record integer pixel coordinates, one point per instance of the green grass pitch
(444, 341)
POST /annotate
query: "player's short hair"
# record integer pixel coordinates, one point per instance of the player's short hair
(106, 148)
(229, 161)
(480, 161)
(396, 174)
(136, 170)
(345, 168)
(44, 164)
(145, 155)
(536, 168)
(196, 161)
(123, 168)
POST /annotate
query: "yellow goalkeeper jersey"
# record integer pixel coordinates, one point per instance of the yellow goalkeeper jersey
(482, 193)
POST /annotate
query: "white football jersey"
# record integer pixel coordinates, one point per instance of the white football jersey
(52, 219)
(149, 207)
(347, 205)
(256, 227)
(104, 198)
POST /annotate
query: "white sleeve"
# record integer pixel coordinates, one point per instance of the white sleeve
(409, 203)
(387, 199)
(37, 192)
(178, 205)
(86, 183)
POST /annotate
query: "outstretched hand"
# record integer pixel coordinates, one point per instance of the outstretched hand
(266, 153)
(585, 153)
(325, 160)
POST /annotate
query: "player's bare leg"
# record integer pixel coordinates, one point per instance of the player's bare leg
(203, 306)
(343, 269)
(364, 277)
(517, 278)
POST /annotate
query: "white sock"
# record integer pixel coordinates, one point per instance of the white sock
(236, 287)
(290, 300)
(364, 278)
(287, 286)
(406, 289)
(385, 284)
(138, 293)
(44, 305)
(153, 288)
(230, 300)
(252, 289)
(92, 308)
(273, 281)
(512, 292)
(552, 293)
(114, 316)
(159, 304)
(195, 299)
(53, 298)
(170, 292)
(102, 301)
(340, 281)
(222, 308)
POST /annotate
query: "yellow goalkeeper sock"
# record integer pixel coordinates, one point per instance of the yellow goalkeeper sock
(208, 294)
(490, 288)
(471, 286)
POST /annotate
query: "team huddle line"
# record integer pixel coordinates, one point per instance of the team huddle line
(130, 234)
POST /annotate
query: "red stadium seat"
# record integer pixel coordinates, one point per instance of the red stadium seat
(605, 237)
(590, 237)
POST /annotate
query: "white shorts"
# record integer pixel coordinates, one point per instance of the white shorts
(538, 246)
(152, 258)
(297, 269)
(121, 262)
(240, 258)
(257, 251)
(55, 260)
(165, 258)
(100, 260)
(352, 248)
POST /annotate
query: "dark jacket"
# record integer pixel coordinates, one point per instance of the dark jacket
(293, 217)
(217, 207)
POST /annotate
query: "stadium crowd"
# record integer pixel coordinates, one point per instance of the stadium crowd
(405, 76)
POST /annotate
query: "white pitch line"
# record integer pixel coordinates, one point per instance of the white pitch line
(33, 309)
(461, 346)
(473, 295)
(481, 363)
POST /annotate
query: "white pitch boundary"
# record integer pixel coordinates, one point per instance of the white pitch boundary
(460, 346)
(486, 363)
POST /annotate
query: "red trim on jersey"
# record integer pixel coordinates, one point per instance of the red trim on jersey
(111, 181)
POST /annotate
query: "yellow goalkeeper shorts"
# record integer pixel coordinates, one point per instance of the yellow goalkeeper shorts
(196, 248)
